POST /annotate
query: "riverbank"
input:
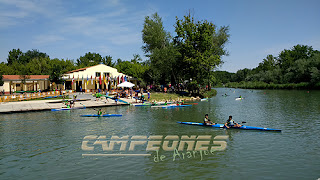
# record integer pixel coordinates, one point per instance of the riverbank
(162, 97)
(86, 100)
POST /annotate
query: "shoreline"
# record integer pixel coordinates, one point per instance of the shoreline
(47, 105)
(87, 101)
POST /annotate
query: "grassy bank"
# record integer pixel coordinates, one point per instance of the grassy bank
(166, 97)
(208, 94)
(263, 85)
(174, 97)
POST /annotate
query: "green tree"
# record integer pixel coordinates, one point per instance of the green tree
(14, 56)
(153, 34)
(161, 51)
(5, 69)
(39, 66)
(24, 75)
(201, 45)
(108, 61)
(223, 76)
(89, 59)
(164, 66)
(267, 64)
(134, 68)
(287, 58)
(32, 54)
(56, 74)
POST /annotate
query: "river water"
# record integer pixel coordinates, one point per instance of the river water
(48, 145)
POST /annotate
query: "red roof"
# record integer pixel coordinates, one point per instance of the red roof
(31, 77)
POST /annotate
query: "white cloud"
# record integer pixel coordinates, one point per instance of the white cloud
(126, 39)
(47, 39)
(104, 49)
(116, 13)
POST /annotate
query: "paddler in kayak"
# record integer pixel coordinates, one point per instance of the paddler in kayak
(99, 112)
(67, 104)
(207, 121)
(230, 123)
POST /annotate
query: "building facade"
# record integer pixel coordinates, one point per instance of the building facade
(14, 83)
(95, 77)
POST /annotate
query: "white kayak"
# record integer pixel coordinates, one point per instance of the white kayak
(237, 99)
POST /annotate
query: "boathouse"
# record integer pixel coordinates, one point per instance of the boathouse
(95, 77)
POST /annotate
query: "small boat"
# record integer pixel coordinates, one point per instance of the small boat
(189, 104)
(204, 99)
(171, 106)
(68, 109)
(144, 104)
(222, 126)
(160, 106)
(103, 115)
(237, 99)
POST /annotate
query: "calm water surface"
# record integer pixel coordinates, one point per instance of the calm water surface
(47, 145)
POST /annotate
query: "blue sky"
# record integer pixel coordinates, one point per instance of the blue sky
(67, 29)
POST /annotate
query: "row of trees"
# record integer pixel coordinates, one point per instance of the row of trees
(300, 64)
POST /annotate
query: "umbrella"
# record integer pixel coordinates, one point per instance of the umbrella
(126, 84)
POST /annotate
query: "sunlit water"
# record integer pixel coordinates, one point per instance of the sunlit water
(47, 145)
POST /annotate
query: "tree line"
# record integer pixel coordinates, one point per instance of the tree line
(297, 67)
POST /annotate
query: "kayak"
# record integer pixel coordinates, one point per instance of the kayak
(160, 106)
(150, 104)
(170, 106)
(67, 109)
(115, 99)
(144, 104)
(237, 99)
(104, 115)
(190, 104)
(242, 127)
(176, 106)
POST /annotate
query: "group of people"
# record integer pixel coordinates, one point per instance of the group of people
(71, 103)
(142, 98)
(230, 122)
